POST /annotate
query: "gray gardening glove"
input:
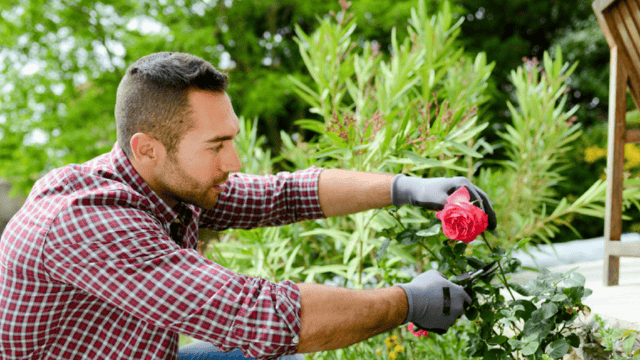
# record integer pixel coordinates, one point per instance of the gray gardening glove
(431, 193)
(435, 303)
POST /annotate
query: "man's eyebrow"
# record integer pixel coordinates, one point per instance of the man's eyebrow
(222, 138)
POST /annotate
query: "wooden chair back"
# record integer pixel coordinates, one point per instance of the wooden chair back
(620, 22)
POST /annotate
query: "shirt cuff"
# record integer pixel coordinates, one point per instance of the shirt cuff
(307, 182)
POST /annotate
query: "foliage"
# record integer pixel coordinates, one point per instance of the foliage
(417, 113)
(509, 32)
(536, 323)
(61, 62)
(584, 41)
(611, 337)
(399, 344)
(535, 144)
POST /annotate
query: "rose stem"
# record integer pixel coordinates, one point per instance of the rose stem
(397, 219)
(504, 277)
(429, 250)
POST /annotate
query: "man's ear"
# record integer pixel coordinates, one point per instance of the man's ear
(145, 148)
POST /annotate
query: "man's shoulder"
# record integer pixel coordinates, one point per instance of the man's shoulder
(93, 183)
(76, 191)
(78, 180)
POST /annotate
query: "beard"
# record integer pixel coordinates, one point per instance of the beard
(183, 187)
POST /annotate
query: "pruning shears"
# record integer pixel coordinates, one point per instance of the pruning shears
(469, 278)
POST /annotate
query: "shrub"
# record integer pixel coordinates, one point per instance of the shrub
(416, 111)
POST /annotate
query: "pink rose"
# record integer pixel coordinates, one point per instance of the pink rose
(462, 220)
(419, 333)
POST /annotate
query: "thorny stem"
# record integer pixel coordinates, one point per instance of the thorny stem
(395, 216)
(504, 277)
(429, 250)
(487, 242)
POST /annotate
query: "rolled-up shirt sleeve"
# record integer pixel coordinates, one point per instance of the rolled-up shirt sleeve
(251, 201)
(126, 259)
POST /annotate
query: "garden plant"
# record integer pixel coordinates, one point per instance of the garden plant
(417, 110)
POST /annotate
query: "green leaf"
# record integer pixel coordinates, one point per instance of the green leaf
(486, 313)
(335, 268)
(383, 249)
(471, 313)
(431, 231)
(575, 279)
(486, 331)
(559, 297)
(459, 248)
(447, 253)
(421, 160)
(512, 265)
(337, 140)
(574, 293)
(530, 348)
(408, 237)
(558, 348)
(627, 344)
(573, 340)
(474, 262)
(536, 325)
(516, 344)
(464, 149)
(493, 354)
(312, 125)
(527, 306)
(548, 310)
(351, 246)
(496, 340)
(519, 289)
(498, 253)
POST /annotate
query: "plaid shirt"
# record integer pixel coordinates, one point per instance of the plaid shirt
(88, 269)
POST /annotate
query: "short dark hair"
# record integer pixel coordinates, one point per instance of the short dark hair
(153, 99)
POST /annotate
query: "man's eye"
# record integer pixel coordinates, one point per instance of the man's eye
(217, 148)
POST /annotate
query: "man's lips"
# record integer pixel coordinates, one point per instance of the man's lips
(220, 187)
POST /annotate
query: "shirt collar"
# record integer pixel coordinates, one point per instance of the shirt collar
(125, 169)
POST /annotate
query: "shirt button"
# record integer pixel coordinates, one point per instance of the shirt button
(296, 339)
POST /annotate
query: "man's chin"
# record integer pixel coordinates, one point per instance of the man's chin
(203, 202)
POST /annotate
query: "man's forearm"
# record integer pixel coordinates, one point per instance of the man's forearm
(333, 317)
(345, 192)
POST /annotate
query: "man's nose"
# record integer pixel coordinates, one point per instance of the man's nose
(231, 162)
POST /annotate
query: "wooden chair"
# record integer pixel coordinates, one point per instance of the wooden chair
(620, 21)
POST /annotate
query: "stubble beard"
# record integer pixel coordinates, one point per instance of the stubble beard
(186, 189)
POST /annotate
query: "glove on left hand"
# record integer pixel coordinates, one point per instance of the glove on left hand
(432, 193)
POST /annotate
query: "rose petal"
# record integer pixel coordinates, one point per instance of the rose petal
(419, 333)
(460, 195)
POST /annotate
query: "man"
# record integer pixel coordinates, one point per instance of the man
(100, 263)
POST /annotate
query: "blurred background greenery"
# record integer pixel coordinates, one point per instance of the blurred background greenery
(61, 62)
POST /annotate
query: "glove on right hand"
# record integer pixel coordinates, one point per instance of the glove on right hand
(429, 305)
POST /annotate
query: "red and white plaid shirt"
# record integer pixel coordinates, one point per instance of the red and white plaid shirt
(88, 269)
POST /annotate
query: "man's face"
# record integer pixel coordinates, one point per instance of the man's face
(198, 169)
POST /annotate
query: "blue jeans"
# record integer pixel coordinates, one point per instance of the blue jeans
(200, 350)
